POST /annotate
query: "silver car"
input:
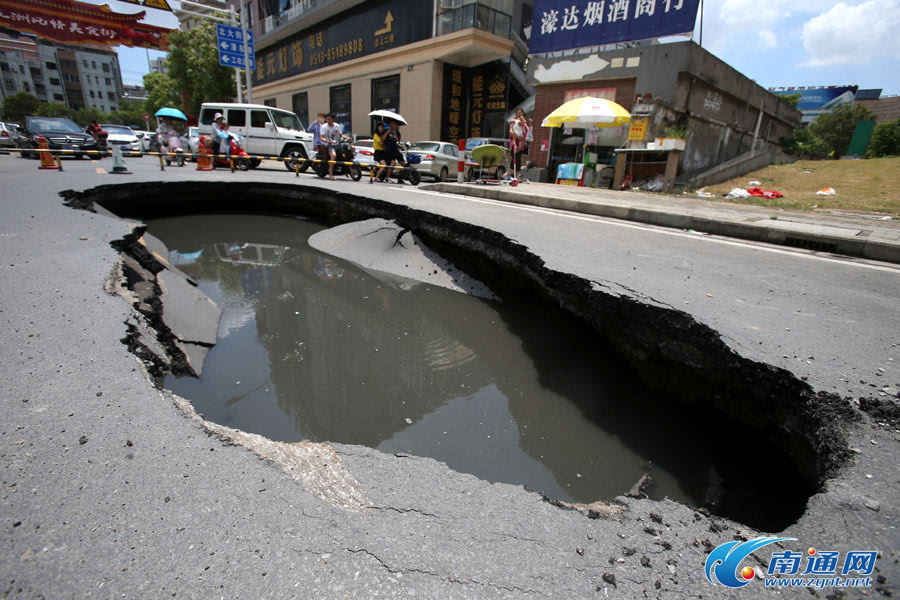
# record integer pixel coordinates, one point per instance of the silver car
(8, 135)
(438, 159)
(364, 153)
(123, 137)
(193, 137)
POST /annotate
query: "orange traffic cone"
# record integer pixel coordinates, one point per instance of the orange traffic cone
(46, 157)
(204, 162)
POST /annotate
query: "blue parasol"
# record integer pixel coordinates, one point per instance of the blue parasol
(171, 112)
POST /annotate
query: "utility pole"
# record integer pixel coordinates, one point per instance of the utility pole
(245, 13)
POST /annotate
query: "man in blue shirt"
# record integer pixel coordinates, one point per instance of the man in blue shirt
(315, 129)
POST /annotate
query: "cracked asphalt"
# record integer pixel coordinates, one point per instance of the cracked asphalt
(110, 487)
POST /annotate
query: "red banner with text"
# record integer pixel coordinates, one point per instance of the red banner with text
(72, 22)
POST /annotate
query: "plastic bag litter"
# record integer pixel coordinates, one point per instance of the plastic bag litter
(655, 185)
(738, 193)
(705, 195)
(754, 183)
(829, 191)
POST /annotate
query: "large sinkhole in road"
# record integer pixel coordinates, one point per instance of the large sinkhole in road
(314, 347)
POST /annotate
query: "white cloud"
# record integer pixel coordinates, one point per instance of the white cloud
(851, 35)
(767, 38)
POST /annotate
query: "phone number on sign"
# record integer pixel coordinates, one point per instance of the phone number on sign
(336, 52)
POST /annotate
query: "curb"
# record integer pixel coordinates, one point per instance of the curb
(856, 244)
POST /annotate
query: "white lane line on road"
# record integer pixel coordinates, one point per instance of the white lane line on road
(763, 246)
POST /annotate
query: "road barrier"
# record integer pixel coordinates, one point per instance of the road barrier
(46, 157)
(204, 159)
(119, 167)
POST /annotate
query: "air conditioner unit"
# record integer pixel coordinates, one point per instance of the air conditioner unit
(268, 24)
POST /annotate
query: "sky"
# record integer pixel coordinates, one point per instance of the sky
(777, 43)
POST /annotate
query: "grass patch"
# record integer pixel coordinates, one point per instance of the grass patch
(865, 186)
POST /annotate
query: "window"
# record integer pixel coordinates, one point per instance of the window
(54, 81)
(4, 67)
(110, 95)
(258, 118)
(386, 93)
(340, 106)
(300, 105)
(10, 84)
(108, 81)
(59, 97)
(270, 102)
(236, 117)
(26, 86)
(85, 63)
(92, 94)
(51, 65)
(22, 69)
(94, 65)
(106, 67)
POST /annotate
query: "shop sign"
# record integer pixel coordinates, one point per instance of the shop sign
(72, 22)
(638, 129)
(608, 93)
(365, 29)
(564, 24)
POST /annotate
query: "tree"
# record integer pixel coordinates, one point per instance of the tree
(54, 109)
(885, 140)
(194, 68)
(131, 112)
(836, 128)
(18, 106)
(160, 92)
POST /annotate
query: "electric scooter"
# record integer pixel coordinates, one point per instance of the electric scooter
(239, 156)
(344, 154)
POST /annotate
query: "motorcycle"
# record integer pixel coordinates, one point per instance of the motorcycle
(408, 172)
(344, 154)
(239, 156)
(173, 145)
(168, 143)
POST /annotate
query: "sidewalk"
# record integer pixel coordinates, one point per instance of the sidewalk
(860, 235)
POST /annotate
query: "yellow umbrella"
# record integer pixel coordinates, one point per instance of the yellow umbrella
(588, 112)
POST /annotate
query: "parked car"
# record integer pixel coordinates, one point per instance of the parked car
(148, 140)
(193, 138)
(125, 138)
(8, 135)
(60, 133)
(438, 159)
(365, 153)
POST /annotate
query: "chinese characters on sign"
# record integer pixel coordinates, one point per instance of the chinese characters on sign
(564, 24)
(638, 129)
(73, 22)
(230, 41)
(475, 102)
(453, 110)
(377, 27)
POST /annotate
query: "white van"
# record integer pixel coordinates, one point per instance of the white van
(267, 131)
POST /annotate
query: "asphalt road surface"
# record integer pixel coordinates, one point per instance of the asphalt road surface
(111, 488)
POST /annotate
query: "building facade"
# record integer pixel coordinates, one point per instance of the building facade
(77, 76)
(721, 112)
(452, 68)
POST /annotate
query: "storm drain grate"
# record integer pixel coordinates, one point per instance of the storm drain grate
(810, 244)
